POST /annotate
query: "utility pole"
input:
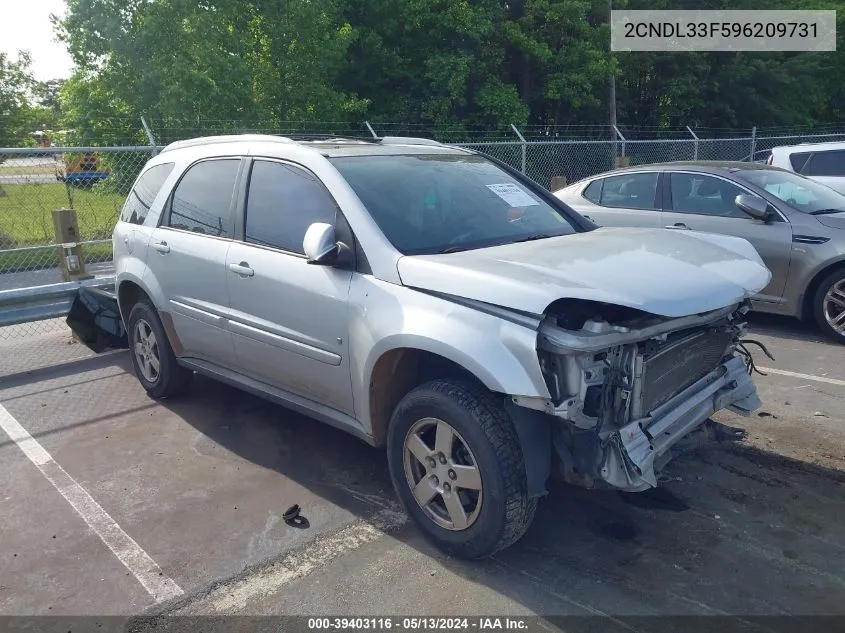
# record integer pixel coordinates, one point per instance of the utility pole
(612, 87)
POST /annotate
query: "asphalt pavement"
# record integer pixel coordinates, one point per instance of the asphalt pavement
(113, 503)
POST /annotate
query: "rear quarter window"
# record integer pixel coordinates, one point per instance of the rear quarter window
(140, 199)
(593, 191)
(826, 163)
(798, 160)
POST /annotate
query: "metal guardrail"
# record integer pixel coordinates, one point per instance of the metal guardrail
(38, 303)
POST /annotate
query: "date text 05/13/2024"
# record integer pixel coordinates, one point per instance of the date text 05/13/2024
(418, 623)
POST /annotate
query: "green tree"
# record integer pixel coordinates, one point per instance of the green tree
(16, 84)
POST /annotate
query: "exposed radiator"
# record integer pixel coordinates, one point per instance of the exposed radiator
(678, 365)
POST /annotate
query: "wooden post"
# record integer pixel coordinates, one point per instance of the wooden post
(558, 182)
(622, 161)
(71, 259)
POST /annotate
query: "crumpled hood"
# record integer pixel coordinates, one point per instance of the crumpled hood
(665, 272)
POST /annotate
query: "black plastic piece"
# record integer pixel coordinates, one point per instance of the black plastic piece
(291, 513)
(293, 517)
(94, 317)
(534, 431)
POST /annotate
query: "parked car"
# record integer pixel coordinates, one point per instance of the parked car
(823, 162)
(797, 225)
(433, 301)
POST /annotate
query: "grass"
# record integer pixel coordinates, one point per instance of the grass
(26, 220)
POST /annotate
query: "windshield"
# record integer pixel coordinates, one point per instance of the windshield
(444, 202)
(798, 192)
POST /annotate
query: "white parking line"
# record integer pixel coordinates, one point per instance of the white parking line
(792, 374)
(128, 552)
(234, 597)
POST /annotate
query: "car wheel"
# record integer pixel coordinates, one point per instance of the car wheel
(457, 466)
(152, 357)
(829, 305)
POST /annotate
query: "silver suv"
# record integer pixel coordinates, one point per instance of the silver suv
(431, 300)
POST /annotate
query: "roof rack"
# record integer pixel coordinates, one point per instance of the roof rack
(228, 138)
(408, 140)
(331, 138)
(298, 138)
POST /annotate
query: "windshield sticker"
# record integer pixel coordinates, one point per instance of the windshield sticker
(513, 195)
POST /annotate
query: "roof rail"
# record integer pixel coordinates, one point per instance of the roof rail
(228, 138)
(408, 140)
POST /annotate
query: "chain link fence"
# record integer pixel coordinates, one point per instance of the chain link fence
(94, 181)
(36, 181)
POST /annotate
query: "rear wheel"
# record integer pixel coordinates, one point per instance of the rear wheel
(829, 305)
(457, 466)
(152, 357)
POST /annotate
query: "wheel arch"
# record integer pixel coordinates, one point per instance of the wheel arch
(399, 370)
(130, 290)
(806, 304)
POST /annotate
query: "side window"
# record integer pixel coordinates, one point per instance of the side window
(141, 197)
(704, 195)
(798, 161)
(202, 201)
(830, 163)
(593, 191)
(283, 201)
(632, 191)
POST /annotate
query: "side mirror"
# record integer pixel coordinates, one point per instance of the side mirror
(320, 244)
(754, 206)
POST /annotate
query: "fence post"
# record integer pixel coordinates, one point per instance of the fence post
(621, 138)
(71, 259)
(753, 143)
(620, 161)
(524, 142)
(694, 143)
(370, 128)
(150, 136)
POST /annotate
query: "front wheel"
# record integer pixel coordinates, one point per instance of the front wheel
(829, 305)
(457, 466)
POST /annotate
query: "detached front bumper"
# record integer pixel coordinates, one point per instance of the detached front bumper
(631, 453)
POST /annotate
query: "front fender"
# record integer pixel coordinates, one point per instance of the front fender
(385, 317)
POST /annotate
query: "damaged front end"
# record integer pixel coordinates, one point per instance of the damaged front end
(627, 386)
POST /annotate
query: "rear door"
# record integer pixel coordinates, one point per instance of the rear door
(187, 258)
(289, 319)
(703, 202)
(628, 199)
(131, 235)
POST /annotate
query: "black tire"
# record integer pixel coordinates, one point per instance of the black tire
(835, 277)
(480, 419)
(172, 379)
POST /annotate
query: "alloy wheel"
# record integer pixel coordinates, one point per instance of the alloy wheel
(146, 351)
(443, 474)
(833, 307)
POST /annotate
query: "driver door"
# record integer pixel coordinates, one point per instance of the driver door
(702, 202)
(289, 319)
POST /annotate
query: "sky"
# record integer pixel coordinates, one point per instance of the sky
(25, 25)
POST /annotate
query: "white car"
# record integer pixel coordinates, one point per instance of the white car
(823, 162)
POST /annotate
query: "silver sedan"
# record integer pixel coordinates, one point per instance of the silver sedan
(797, 225)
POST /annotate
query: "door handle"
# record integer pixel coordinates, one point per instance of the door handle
(677, 225)
(242, 269)
(590, 219)
(162, 247)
